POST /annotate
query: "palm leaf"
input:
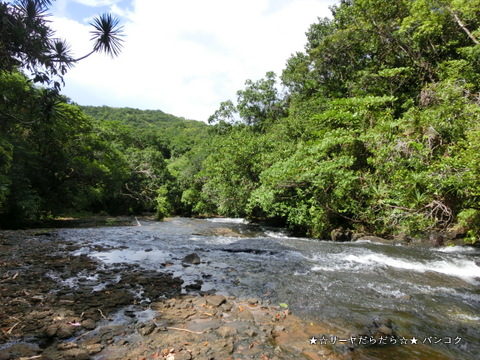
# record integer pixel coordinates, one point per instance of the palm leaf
(107, 34)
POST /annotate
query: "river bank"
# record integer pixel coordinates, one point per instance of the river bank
(50, 310)
(45, 315)
(67, 295)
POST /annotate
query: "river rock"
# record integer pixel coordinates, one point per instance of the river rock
(145, 329)
(216, 300)
(50, 330)
(245, 315)
(226, 331)
(311, 355)
(67, 346)
(89, 324)
(66, 331)
(75, 354)
(19, 351)
(252, 301)
(341, 234)
(94, 348)
(436, 239)
(182, 355)
(385, 330)
(193, 259)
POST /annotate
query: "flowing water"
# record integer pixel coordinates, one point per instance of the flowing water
(432, 295)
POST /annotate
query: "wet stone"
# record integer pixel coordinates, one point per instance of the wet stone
(50, 331)
(89, 324)
(130, 313)
(145, 329)
(216, 300)
(193, 259)
(67, 346)
(66, 331)
(94, 348)
(76, 354)
(20, 350)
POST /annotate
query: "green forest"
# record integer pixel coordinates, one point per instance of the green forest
(373, 127)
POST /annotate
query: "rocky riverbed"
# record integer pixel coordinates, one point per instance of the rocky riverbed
(60, 303)
(50, 310)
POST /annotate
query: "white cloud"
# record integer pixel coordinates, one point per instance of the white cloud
(97, 3)
(186, 56)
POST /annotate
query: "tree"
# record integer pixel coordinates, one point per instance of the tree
(27, 42)
(45, 148)
(258, 104)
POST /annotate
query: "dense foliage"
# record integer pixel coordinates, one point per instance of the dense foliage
(377, 129)
(373, 127)
(50, 159)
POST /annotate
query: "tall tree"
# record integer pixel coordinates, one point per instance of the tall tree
(27, 42)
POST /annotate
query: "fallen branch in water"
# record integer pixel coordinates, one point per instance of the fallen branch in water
(13, 327)
(101, 313)
(10, 278)
(84, 334)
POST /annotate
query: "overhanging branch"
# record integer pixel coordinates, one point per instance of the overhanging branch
(463, 26)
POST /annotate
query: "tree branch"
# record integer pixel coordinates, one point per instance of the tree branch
(463, 26)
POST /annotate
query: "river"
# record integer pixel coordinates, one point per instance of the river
(429, 294)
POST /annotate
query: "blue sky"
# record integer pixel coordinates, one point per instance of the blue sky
(183, 57)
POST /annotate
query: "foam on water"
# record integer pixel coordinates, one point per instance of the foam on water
(228, 220)
(464, 269)
(458, 250)
(439, 290)
(468, 317)
(276, 234)
(129, 256)
(221, 240)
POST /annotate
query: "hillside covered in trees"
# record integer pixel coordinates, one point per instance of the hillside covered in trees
(374, 127)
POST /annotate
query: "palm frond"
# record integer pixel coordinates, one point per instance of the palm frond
(33, 9)
(107, 34)
(61, 50)
(61, 53)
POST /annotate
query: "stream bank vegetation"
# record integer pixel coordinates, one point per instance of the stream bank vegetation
(373, 127)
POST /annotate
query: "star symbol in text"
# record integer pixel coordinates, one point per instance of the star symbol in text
(414, 340)
(313, 341)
